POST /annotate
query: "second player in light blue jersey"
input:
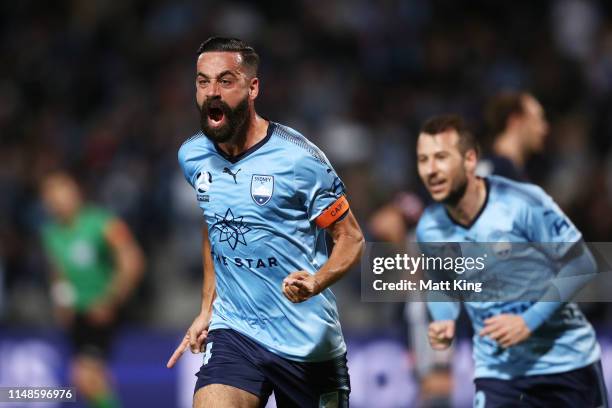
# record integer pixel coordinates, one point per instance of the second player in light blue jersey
(526, 352)
(268, 195)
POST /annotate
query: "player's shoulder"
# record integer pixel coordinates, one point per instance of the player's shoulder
(195, 145)
(297, 144)
(516, 192)
(432, 223)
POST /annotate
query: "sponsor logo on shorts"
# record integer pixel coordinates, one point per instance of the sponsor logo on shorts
(480, 399)
(208, 353)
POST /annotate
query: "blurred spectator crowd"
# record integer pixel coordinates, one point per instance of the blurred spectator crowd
(106, 89)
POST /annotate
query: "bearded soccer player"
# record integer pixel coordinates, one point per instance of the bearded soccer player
(268, 318)
(527, 353)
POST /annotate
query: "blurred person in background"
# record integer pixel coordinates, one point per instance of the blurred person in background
(96, 265)
(517, 123)
(526, 352)
(395, 223)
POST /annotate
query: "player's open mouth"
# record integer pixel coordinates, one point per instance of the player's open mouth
(215, 116)
(436, 185)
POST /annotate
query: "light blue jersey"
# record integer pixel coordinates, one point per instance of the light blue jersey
(264, 210)
(519, 213)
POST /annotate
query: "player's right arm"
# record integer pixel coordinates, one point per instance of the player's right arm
(442, 329)
(348, 246)
(198, 331)
(441, 334)
(442, 309)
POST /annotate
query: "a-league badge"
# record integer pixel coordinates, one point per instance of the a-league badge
(262, 187)
(203, 182)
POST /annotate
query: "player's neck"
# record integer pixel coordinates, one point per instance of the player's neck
(507, 145)
(470, 205)
(255, 132)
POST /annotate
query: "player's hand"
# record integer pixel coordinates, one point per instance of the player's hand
(441, 334)
(101, 314)
(194, 338)
(506, 329)
(300, 286)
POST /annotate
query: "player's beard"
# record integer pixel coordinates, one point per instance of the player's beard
(236, 120)
(457, 191)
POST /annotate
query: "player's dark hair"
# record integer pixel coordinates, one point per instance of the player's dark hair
(250, 59)
(501, 108)
(442, 123)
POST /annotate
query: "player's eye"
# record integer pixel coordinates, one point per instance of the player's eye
(225, 82)
(203, 82)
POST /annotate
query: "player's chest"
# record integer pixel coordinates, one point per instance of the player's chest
(495, 224)
(257, 187)
(80, 250)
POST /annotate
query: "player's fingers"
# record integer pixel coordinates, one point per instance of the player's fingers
(489, 328)
(287, 294)
(290, 293)
(506, 341)
(291, 290)
(440, 344)
(492, 320)
(435, 329)
(193, 340)
(178, 352)
(301, 275)
(498, 334)
(202, 340)
(302, 288)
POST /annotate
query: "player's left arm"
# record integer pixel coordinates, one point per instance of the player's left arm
(578, 268)
(348, 246)
(563, 244)
(129, 265)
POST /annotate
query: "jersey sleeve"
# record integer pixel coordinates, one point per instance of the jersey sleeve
(439, 305)
(320, 190)
(546, 224)
(187, 166)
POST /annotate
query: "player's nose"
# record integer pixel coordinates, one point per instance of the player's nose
(431, 168)
(212, 90)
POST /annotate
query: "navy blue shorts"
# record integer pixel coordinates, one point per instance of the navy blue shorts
(233, 359)
(584, 388)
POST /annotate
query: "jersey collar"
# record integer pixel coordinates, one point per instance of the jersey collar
(250, 150)
(484, 205)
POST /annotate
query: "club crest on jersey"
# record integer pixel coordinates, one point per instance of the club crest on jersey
(502, 245)
(262, 187)
(202, 184)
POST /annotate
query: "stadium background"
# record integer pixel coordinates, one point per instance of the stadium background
(106, 89)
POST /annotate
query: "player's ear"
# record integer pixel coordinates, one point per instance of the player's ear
(253, 88)
(513, 121)
(471, 160)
